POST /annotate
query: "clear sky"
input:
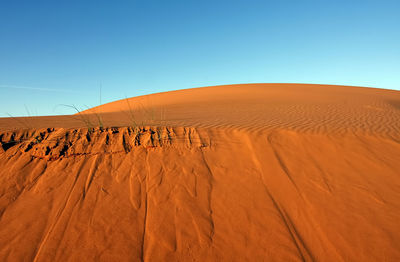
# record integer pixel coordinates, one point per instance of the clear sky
(61, 52)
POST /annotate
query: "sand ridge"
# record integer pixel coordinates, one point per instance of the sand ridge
(299, 107)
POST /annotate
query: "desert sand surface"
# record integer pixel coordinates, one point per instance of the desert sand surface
(251, 172)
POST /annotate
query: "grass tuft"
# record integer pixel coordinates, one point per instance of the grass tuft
(83, 117)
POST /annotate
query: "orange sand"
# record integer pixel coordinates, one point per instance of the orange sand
(257, 172)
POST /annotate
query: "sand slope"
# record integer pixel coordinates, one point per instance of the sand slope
(262, 172)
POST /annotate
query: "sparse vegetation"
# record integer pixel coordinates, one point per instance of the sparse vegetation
(83, 117)
(24, 122)
(140, 116)
(98, 117)
(20, 121)
(148, 115)
(132, 117)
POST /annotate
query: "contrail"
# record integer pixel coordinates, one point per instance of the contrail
(37, 89)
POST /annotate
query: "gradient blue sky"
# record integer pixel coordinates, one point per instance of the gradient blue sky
(60, 52)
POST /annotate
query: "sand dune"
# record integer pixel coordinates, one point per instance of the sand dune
(258, 172)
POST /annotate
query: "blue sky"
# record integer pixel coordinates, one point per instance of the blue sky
(61, 52)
